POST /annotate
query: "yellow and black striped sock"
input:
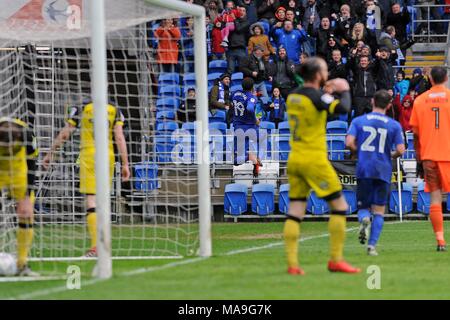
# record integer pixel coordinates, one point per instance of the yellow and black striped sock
(291, 235)
(91, 220)
(24, 240)
(336, 228)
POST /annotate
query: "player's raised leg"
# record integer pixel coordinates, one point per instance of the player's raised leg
(336, 228)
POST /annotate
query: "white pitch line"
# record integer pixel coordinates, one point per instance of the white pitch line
(45, 292)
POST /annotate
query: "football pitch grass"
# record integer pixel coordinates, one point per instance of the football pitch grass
(249, 263)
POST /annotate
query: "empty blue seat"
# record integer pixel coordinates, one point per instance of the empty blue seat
(163, 148)
(189, 79)
(410, 152)
(283, 127)
(236, 78)
(219, 66)
(217, 141)
(235, 88)
(170, 91)
(146, 175)
(316, 205)
(350, 197)
(263, 195)
(423, 199)
(267, 125)
(283, 199)
(336, 147)
(235, 199)
(284, 148)
(213, 77)
(407, 201)
(218, 116)
(343, 117)
(163, 115)
(167, 104)
(190, 126)
(166, 127)
(222, 127)
(337, 127)
(168, 78)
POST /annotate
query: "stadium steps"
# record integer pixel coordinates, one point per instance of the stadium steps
(422, 60)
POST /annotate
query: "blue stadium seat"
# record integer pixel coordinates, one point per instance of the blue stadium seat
(168, 78)
(163, 115)
(350, 197)
(423, 199)
(163, 148)
(236, 78)
(283, 198)
(235, 199)
(266, 26)
(267, 125)
(263, 202)
(222, 127)
(219, 116)
(336, 147)
(146, 175)
(190, 126)
(219, 66)
(410, 151)
(189, 80)
(343, 117)
(407, 201)
(284, 148)
(168, 91)
(283, 128)
(337, 127)
(213, 77)
(235, 88)
(315, 205)
(217, 141)
(166, 127)
(167, 104)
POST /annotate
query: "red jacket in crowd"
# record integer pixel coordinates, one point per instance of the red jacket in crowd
(403, 110)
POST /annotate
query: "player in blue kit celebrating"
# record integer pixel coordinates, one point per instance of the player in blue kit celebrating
(373, 136)
(245, 125)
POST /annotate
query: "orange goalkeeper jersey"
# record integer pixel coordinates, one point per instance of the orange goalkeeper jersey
(431, 119)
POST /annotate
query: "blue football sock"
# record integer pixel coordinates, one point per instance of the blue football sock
(362, 213)
(375, 231)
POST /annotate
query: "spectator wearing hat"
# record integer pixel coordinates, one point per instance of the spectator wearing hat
(419, 82)
(258, 38)
(266, 10)
(238, 40)
(254, 66)
(384, 67)
(331, 45)
(219, 96)
(187, 112)
(217, 51)
(213, 8)
(291, 39)
(280, 17)
(282, 72)
(403, 110)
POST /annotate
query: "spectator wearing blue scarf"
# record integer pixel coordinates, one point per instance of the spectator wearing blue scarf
(277, 107)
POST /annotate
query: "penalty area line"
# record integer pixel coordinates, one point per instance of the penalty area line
(59, 289)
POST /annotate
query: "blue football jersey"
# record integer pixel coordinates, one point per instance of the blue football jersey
(376, 136)
(244, 104)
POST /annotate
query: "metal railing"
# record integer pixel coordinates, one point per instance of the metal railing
(426, 24)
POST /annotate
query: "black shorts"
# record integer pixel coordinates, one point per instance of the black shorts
(372, 192)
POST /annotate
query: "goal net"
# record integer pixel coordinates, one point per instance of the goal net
(46, 69)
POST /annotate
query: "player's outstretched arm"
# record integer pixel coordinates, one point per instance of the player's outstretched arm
(119, 138)
(62, 137)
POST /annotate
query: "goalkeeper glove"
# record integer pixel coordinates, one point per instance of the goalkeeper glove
(419, 169)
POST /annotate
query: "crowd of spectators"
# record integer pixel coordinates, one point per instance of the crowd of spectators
(363, 41)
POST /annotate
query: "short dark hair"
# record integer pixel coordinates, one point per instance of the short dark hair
(438, 74)
(310, 68)
(390, 29)
(247, 84)
(382, 99)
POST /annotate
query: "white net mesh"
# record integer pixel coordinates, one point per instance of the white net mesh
(45, 69)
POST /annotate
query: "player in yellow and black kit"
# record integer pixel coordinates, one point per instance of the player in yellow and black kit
(18, 155)
(84, 118)
(308, 164)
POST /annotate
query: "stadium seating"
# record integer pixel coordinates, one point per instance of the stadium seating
(265, 25)
(283, 128)
(219, 116)
(343, 117)
(315, 205)
(189, 126)
(166, 127)
(164, 115)
(217, 66)
(407, 200)
(189, 80)
(350, 197)
(236, 78)
(423, 199)
(163, 148)
(213, 77)
(283, 199)
(263, 202)
(337, 127)
(235, 88)
(235, 199)
(284, 148)
(168, 91)
(267, 125)
(222, 127)
(167, 104)
(146, 175)
(168, 79)
(410, 151)
(336, 147)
